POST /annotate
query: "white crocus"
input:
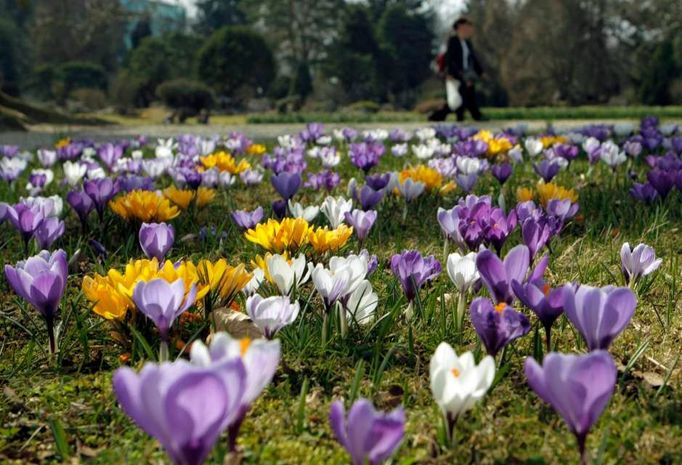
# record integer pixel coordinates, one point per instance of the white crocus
(73, 172)
(423, 151)
(611, 154)
(258, 276)
(47, 158)
(335, 209)
(425, 133)
(399, 150)
(332, 285)
(329, 157)
(271, 314)
(457, 383)
(462, 270)
(469, 165)
(164, 148)
(410, 189)
(638, 262)
(285, 274)
(357, 266)
(533, 146)
(299, 211)
(362, 303)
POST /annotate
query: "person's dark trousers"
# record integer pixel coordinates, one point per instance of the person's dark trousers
(468, 103)
(441, 114)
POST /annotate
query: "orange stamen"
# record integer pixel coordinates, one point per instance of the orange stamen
(545, 289)
(455, 372)
(244, 344)
(500, 307)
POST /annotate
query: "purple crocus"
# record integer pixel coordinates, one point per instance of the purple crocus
(185, 407)
(25, 220)
(82, 204)
(545, 302)
(368, 197)
(661, 180)
(413, 271)
(279, 208)
(156, 239)
(497, 325)
(498, 275)
(370, 437)
(449, 222)
(578, 387)
(100, 190)
(643, 192)
(361, 221)
(41, 281)
(547, 169)
(536, 233)
(286, 184)
(599, 314)
(501, 172)
(366, 155)
(564, 210)
(50, 230)
(162, 302)
(245, 219)
(378, 181)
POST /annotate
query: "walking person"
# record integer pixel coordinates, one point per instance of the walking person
(462, 69)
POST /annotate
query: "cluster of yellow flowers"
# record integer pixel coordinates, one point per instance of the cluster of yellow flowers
(496, 145)
(223, 161)
(548, 141)
(183, 197)
(427, 175)
(111, 295)
(291, 234)
(61, 143)
(146, 206)
(256, 149)
(546, 192)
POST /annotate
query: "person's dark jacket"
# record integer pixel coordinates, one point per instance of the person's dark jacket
(454, 60)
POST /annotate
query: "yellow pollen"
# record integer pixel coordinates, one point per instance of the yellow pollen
(244, 344)
(455, 372)
(500, 307)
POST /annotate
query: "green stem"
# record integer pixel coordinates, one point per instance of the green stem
(164, 353)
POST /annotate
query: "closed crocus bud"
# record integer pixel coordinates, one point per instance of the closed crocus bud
(271, 314)
(370, 437)
(41, 281)
(82, 204)
(50, 230)
(599, 314)
(162, 302)
(638, 262)
(578, 387)
(299, 211)
(156, 239)
(185, 407)
(286, 184)
(457, 382)
(462, 270)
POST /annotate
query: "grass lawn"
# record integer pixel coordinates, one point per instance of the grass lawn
(63, 410)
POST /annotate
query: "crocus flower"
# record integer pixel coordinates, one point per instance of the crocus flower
(370, 437)
(497, 325)
(287, 274)
(368, 197)
(643, 192)
(413, 271)
(638, 262)
(260, 359)
(156, 239)
(449, 222)
(547, 169)
(457, 383)
(362, 302)
(286, 184)
(50, 230)
(247, 219)
(501, 172)
(271, 314)
(462, 270)
(25, 220)
(361, 221)
(411, 189)
(185, 407)
(578, 387)
(100, 190)
(498, 275)
(163, 302)
(545, 302)
(309, 213)
(82, 204)
(599, 314)
(73, 172)
(536, 233)
(335, 209)
(41, 281)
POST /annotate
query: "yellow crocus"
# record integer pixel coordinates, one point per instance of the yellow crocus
(107, 301)
(277, 236)
(145, 206)
(256, 149)
(223, 161)
(429, 176)
(219, 276)
(204, 196)
(523, 194)
(180, 197)
(550, 191)
(324, 240)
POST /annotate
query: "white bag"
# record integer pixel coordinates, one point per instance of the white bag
(452, 91)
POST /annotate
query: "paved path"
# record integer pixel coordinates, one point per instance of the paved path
(43, 135)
